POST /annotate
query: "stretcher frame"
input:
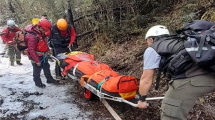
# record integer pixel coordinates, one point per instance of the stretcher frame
(101, 95)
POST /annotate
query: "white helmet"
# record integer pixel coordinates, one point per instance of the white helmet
(10, 22)
(157, 31)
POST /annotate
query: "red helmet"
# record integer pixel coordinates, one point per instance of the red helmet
(45, 24)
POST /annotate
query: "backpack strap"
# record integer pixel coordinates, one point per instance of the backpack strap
(69, 29)
(158, 77)
(17, 37)
(34, 34)
(201, 45)
(160, 70)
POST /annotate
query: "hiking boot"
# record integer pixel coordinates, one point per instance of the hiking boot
(60, 78)
(19, 63)
(41, 85)
(12, 63)
(63, 78)
(53, 81)
(2, 53)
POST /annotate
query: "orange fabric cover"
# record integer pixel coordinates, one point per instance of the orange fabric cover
(98, 77)
(88, 67)
(79, 57)
(125, 86)
(91, 67)
(74, 59)
(121, 84)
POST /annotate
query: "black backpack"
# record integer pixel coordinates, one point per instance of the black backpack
(200, 42)
(196, 45)
(174, 58)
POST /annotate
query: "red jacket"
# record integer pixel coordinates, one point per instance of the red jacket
(73, 35)
(32, 42)
(9, 34)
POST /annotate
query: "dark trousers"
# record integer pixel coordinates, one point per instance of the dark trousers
(37, 69)
(57, 70)
(57, 50)
(14, 54)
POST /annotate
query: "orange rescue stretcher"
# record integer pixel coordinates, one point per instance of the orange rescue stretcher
(98, 79)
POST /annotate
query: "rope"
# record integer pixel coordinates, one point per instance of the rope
(43, 61)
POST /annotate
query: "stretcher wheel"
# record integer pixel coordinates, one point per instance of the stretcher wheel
(89, 95)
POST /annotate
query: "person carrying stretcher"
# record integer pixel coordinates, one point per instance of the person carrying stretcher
(61, 40)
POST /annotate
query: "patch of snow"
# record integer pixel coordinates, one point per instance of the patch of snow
(51, 102)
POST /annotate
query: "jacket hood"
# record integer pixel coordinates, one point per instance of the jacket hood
(30, 28)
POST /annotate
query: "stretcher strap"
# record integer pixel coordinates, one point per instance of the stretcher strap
(82, 79)
(87, 76)
(73, 72)
(106, 78)
(93, 75)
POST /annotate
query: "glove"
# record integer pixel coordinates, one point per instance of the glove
(69, 46)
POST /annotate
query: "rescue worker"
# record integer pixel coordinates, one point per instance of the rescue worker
(8, 34)
(44, 16)
(184, 89)
(37, 48)
(61, 39)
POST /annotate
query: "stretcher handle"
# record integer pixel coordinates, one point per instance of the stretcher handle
(147, 99)
(48, 54)
(154, 98)
(70, 49)
(130, 103)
